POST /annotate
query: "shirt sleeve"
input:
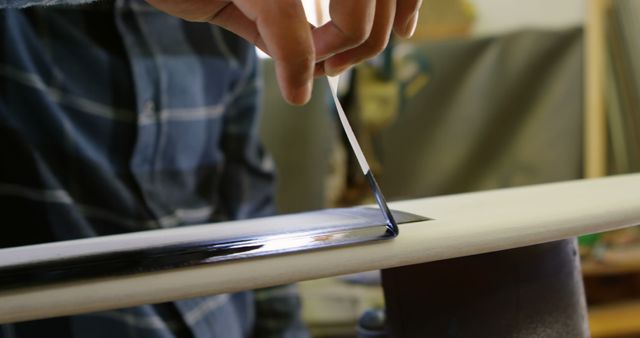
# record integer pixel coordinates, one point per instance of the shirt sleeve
(248, 191)
(248, 179)
(279, 313)
(27, 3)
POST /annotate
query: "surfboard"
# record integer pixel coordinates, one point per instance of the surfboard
(303, 246)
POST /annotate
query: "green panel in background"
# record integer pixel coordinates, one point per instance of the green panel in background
(300, 138)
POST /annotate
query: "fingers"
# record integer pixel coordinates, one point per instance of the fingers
(194, 10)
(350, 25)
(232, 19)
(374, 45)
(406, 17)
(319, 69)
(288, 41)
(359, 29)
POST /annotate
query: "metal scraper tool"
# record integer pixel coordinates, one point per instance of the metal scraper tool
(392, 226)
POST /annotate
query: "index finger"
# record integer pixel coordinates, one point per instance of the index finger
(283, 27)
(406, 17)
(350, 25)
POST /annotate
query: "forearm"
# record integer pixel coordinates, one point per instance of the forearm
(27, 3)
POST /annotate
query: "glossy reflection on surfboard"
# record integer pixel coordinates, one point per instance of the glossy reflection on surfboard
(174, 248)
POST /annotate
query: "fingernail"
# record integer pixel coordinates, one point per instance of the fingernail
(302, 94)
(410, 26)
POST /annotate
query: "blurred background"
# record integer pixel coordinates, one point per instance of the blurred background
(488, 94)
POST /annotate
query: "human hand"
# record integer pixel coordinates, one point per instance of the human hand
(359, 29)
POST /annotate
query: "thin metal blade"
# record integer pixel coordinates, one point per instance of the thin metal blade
(392, 227)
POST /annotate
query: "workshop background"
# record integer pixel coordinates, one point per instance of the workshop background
(488, 94)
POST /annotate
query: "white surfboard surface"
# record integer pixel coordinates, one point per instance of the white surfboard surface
(463, 224)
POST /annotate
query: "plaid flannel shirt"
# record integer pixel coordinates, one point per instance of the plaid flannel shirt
(115, 117)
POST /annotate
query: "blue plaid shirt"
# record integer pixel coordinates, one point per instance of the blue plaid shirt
(115, 117)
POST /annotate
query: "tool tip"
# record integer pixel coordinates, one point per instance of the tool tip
(392, 228)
